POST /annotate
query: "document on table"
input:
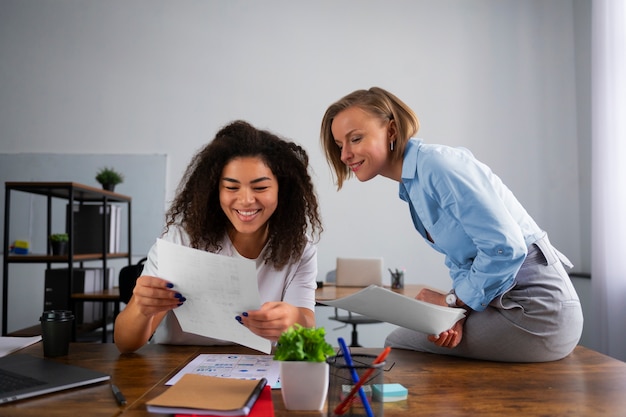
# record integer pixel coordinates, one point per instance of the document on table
(385, 305)
(9, 344)
(232, 365)
(217, 289)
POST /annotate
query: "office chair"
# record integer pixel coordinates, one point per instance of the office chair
(128, 277)
(352, 319)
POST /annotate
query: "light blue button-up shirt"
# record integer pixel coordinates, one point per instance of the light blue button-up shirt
(471, 216)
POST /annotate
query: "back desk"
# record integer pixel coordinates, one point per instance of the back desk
(586, 383)
(332, 292)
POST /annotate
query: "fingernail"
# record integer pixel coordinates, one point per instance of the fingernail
(169, 285)
(178, 295)
(180, 304)
(245, 314)
(238, 318)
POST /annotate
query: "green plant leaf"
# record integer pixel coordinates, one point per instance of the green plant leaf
(109, 176)
(306, 344)
(59, 237)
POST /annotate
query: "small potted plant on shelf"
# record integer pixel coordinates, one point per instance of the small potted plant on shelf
(109, 178)
(58, 243)
(302, 354)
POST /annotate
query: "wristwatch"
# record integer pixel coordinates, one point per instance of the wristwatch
(451, 299)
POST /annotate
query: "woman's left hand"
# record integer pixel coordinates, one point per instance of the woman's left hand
(450, 338)
(275, 317)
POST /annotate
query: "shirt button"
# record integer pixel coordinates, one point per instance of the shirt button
(500, 251)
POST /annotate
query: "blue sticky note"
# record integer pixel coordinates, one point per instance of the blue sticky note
(389, 392)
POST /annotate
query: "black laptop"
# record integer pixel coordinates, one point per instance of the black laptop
(24, 376)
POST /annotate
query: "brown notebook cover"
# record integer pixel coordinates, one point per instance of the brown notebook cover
(209, 395)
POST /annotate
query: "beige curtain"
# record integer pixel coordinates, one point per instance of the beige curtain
(608, 282)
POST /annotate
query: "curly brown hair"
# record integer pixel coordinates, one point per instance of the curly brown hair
(196, 207)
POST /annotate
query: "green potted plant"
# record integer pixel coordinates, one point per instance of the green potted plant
(302, 354)
(58, 243)
(109, 178)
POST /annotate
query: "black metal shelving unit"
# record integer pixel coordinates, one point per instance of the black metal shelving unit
(73, 193)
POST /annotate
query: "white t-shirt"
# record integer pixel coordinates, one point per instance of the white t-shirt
(294, 284)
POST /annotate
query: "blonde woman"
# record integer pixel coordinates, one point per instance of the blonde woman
(519, 301)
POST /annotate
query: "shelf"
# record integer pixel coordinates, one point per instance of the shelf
(110, 294)
(64, 190)
(73, 193)
(35, 258)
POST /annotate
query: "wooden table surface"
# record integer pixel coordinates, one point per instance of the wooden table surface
(332, 292)
(586, 383)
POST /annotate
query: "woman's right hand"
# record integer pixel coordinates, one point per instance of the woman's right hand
(152, 295)
(449, 338)
(152, 298)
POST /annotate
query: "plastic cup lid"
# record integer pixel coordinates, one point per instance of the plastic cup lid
(57, 315)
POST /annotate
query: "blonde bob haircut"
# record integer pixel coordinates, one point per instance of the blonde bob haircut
(379, 103)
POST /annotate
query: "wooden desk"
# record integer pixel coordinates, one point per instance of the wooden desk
(332, 292)
(586, 383)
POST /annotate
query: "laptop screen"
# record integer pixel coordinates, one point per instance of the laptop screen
(359, 272)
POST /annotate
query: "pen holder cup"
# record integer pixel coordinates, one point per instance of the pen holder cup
(397, 280)
(341, 384)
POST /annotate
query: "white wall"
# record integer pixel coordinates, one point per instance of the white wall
(161, 76)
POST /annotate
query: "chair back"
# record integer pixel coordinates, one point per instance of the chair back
(128, 277)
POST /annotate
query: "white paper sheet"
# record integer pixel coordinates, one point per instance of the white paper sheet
(217, 289)
(385, 305)
(227, 365)
(10, 344)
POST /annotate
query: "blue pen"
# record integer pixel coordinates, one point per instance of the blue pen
(355, 376)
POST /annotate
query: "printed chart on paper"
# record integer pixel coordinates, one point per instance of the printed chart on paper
(232, 366)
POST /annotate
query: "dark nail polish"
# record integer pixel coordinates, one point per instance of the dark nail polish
(178, 295)
(169, 285)
(238, 319)
(245, 314)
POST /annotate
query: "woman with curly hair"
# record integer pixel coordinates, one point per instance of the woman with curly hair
(246, 194)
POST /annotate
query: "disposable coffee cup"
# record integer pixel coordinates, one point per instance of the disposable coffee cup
(56, 332)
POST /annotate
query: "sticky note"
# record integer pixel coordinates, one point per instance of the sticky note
(345, 390)
(389, 392)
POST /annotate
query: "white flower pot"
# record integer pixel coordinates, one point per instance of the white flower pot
(304, 385)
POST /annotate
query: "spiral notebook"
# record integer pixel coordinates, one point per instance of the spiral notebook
(208, 395)
(263, 407)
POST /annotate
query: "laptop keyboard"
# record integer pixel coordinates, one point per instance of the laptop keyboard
(10, 381)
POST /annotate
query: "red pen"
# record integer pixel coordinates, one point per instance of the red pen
(345, 404)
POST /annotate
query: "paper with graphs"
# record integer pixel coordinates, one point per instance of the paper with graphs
(217, 289)
(385, 305)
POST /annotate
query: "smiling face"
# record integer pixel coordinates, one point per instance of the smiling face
(364, 141)
(248, 195)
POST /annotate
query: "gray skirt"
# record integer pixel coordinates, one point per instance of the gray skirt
(538, 320)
